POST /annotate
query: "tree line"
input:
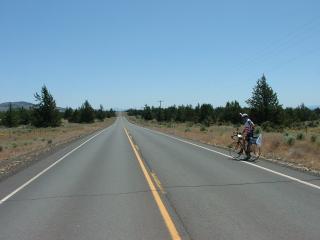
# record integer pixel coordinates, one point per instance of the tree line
(263, 108)
(46, 114)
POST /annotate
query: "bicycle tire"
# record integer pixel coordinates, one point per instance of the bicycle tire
(234, 149)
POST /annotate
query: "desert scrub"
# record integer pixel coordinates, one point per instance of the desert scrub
(187, 129)
(267, 126)
(313, 138)
(189, 124)
(170, 125)
(203, 129)
(258, 130)
(290, 140)
(300, 136)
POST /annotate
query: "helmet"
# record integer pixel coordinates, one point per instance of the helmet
(244, 115)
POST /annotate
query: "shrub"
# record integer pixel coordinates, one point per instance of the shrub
(49, 141)
(189, 124)
(312, 124)
(203, 129)
(313, 138)
(1, 148)
(267, 126)
(187, 130)
(300, 136)
(14, 145)
(297, 125)
(169, 125)
(257, 130)
(290, 140)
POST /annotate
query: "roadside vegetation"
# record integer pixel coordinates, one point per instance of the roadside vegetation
(26, 133)
(290, 134)
(46, 114)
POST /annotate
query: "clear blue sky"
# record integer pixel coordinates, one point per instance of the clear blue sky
(130, 53)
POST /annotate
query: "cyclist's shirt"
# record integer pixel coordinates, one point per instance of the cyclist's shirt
(248, 127)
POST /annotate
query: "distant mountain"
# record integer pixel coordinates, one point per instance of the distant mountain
(4, 106)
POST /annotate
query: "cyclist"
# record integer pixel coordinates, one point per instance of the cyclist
(247, 133)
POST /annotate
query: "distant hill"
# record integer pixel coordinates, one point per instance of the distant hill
(5, 106)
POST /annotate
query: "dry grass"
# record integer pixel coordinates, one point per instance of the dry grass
(25, 142)
(302, 153)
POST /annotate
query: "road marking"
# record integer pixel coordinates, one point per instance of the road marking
(46, 169)
(249, 163)
(283, 175)
(157, 181)
(164, 212)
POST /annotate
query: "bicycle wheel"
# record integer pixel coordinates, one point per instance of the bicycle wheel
(234, 149)
(255, 152)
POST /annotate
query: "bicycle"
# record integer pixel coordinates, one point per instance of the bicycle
(237, 148)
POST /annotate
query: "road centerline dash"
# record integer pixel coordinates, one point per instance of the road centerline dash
(163, 210)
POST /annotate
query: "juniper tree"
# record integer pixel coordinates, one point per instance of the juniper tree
(100, 113)
(45, 113)
(10, 118)
(264, 104)
(86, 113)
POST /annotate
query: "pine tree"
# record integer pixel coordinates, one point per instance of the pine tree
(10, 118)
(231, 112)
(68, 113)
(206, 114)
(86, 113)
(147, 114)
(45, 114)
(100, 114)
(75, 117)
(24, 116)
(264, 104)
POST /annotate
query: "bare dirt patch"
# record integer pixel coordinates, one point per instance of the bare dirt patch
(20, 146)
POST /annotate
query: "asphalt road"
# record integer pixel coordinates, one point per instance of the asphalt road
(99, 190)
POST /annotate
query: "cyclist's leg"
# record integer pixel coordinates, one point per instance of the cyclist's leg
(242, 145)
(248, 140)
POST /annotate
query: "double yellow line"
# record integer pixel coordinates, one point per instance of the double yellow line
(163, 210)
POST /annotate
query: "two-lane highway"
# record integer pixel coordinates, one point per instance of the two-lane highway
(97, 192)
(219, 198)
(101, 191)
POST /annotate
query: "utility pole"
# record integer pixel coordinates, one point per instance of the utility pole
(160, 101)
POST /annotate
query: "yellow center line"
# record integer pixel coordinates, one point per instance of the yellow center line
(157, 181)
(164, 212)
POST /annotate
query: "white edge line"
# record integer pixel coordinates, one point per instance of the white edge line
(249, 163)
(46, 169)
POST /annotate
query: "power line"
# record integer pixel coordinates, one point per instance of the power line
(291, 40)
